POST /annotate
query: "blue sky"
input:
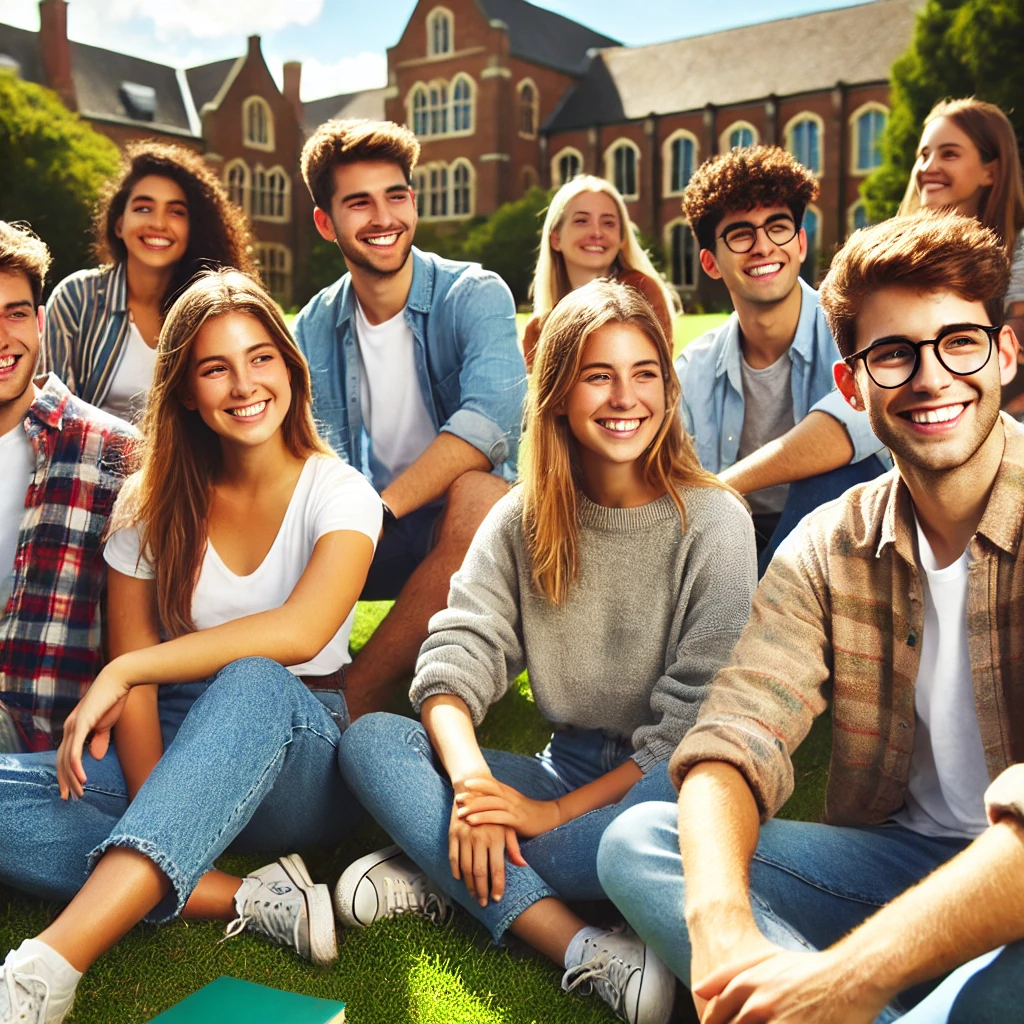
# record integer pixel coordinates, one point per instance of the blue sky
(342, 42)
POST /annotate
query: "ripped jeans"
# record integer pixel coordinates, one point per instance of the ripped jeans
(250, 763)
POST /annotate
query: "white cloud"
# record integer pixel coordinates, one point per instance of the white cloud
(349, 74)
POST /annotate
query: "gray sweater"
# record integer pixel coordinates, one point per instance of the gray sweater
(653, 615)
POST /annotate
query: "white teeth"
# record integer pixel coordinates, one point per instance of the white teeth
(593, 248)
(620, 426)
(768, 268)
(6, 362)
(249, 410)
(382, 240)
(943, 415)
(158, 243)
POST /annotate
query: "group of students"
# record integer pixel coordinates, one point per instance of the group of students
(186, 588)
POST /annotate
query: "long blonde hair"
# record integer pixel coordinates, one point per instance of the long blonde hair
(1002, 204)
(548, 466)
(550, 278)
(169, 496)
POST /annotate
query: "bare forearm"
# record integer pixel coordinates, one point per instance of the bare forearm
(972, 904)
(819, 443)
(429, 477)
(608, 789)
(137, 738)
(450, 728)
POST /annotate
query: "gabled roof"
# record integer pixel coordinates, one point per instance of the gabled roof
(205, 80)
(781, 58)
(543, 37)
(23, 48)
(369, 104)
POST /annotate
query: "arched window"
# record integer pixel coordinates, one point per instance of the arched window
(276, 196)
(682, 255)
(812, 227)
(275, 266)
(621, 159)
(236, 180)
(565, 165)
(462, 189)
(680, 160)
(803, 139)
(868, 125)
(739, 133)
(420, 113)
(437, 204)
(257, 123)
(419, 188)
(528, 108)
(439, 32)
(857, 216)
(259, 191)
(438, 109)
(462, 104)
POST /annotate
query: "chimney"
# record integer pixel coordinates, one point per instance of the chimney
(292, 82)
(56, 50)
(254, 47)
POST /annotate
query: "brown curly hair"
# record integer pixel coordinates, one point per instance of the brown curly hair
(219, 234)
(931, 250)
(742, 179)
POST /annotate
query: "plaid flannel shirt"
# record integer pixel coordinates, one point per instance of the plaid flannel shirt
(50, 633)
(839, 615)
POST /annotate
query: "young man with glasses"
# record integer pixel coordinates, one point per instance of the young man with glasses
(758, 392)
(901, 603)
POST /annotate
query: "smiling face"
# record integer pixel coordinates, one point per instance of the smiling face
(768, 272)
(617, 404)
(20, 328)
(937, 421)
(155, 226)
(372, 217)
(949, 170)
(238, 380)
(590, 235)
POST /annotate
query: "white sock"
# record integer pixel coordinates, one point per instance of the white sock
(574, 951)
(40, 959)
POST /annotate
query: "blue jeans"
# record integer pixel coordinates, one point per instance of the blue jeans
(250, 762)
(390, 765)
(809, 883)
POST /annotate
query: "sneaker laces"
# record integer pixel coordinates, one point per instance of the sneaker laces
(404, 897)
(23, 994)
(607, 974)
(276, 920)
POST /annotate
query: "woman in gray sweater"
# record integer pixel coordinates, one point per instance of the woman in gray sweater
(619, 573)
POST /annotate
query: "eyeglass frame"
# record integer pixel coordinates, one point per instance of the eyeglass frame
(775, 218)
(992, 332)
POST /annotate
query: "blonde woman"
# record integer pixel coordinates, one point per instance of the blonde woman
(619, 573)
(587, 234)
(238, 552)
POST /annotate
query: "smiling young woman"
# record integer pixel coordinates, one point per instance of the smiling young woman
(587, 234)
(165, 218)
(613, 514)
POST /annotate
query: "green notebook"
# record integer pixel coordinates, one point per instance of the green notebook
(230, 1001)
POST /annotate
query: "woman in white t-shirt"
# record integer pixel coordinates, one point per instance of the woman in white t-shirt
(238, 549)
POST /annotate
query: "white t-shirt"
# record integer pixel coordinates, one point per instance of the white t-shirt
(330, 495)
(133, 378)
(394, 412)
(948, 776)
(17, 463)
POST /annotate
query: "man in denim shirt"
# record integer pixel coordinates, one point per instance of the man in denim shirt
(758, 392)
(417, 380)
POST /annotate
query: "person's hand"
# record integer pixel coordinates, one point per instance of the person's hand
(476, 854)
(723, 944)
(486, 801)
(788, 988)
(96, 714)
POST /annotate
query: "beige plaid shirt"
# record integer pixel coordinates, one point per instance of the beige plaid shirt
(839, 616)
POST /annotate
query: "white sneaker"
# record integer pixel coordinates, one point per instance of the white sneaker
(281, 902)
(31, 992)
(384, 884)
(627, 975)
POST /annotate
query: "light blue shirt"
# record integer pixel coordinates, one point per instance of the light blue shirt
(712, 386)
(468, 363)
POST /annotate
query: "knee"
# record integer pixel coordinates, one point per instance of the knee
(623, 858)
(468, 500)
(371, 737)
(251, 682)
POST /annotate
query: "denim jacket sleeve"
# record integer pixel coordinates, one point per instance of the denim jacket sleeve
(856, 422)
(681, 366)
(492, 377)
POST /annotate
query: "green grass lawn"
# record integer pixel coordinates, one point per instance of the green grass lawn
(401, 970)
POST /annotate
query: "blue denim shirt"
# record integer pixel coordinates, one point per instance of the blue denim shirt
(468, 363)
(712, 386)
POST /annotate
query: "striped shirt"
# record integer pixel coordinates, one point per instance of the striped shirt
(839, 616)
(87, 330)
(50, 632)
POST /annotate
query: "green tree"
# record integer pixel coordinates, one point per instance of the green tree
(52, 165)
(960, 48)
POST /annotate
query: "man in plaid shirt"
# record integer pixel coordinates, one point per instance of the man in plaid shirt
(61, 465)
